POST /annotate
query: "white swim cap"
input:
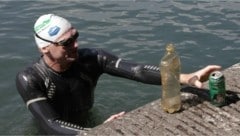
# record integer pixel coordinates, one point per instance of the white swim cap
(50, 27)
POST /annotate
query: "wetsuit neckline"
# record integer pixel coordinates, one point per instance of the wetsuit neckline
(42, 62)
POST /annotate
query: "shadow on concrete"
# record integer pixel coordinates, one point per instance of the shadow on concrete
(193, 96)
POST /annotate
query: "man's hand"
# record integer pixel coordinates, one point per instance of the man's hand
(197, 78)
(115, 116)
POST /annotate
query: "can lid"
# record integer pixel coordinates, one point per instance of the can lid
(216, 74)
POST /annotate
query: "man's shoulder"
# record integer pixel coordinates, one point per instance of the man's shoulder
(91, 51)
(87, 51)
(28, 71)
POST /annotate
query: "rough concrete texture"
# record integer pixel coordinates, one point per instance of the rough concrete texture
(197, 117)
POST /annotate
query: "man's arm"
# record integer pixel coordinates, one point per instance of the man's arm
(113, 65)
(37, 103)
(149, 74)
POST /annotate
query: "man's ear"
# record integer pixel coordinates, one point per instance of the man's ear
(44, 50)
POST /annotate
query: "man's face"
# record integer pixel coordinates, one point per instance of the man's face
(65, 49)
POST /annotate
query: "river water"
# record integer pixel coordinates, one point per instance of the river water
(204, 32)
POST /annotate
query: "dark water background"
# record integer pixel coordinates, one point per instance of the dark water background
(204, 32)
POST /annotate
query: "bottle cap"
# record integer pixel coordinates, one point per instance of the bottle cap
(170, 47)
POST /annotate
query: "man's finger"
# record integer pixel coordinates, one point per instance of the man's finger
(194, 81)
(115, 116)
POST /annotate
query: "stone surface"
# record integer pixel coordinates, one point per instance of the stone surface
(197, 117)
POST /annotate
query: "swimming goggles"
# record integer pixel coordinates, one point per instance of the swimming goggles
(64, 43)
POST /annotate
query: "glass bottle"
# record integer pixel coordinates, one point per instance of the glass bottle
(170, 75)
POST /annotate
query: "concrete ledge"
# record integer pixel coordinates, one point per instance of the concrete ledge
(197, 117)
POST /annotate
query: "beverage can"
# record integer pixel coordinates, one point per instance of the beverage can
(217, 88)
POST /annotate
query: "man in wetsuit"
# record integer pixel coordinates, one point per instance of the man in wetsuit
(60, 85)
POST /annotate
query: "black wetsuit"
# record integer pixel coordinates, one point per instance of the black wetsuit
(54, 97)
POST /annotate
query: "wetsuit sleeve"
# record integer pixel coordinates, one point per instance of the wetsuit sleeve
(36, 101)
(113, 65)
